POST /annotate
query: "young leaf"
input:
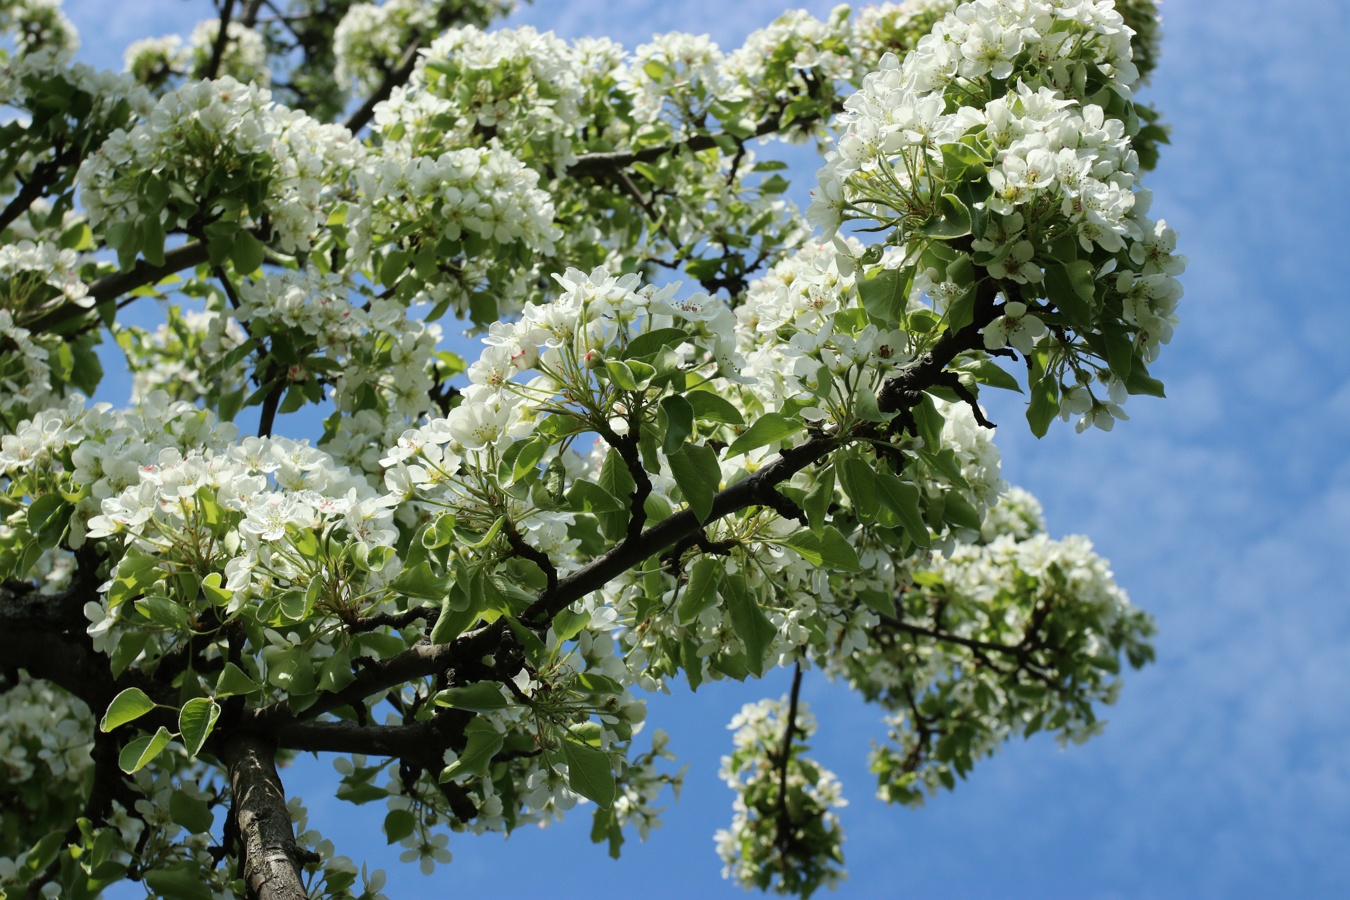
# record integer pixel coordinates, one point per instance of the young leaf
(483, 744)
(767, 429)
(234, 682)
(482, 696)
(700, 592)
(142, 750)
(749, 622)
(196, 721)
(698, 474)
(589, 773)
(903, 499)
(126, 707)
(709, 407)
(191, 813)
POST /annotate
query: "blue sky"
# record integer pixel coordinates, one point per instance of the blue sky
(1225, 509)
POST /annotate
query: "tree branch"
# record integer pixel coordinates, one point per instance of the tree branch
(595, 165)
(392, 79)
(270, 856)
(759, 489)
(422, 742)
(218, 45)
(110, 287)
(784, 825)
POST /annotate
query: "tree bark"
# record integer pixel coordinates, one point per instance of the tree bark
(270, 857)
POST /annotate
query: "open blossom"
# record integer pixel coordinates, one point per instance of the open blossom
(1016, 327)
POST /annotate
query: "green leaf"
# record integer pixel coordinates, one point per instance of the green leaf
(817, 502)
(589, 773)
(1070, 287)
(621, 375)
(748, 621)
(929, 422)
(482, 696)
(292, 671)
(527, 459)
(587, 496)
(679, 422)
(127, 706)
(829, 549)
(568, 624)
(1119, 352)
(191, 813)
(711, 408)
(247, 253)
(453, 620)
(216, 594)
(902, 498)
(616, 480)
(142, 750)
(48, 516)
(421, 582)
(986, 371)
(697, 472)
(960, 513)
(886, 294)
(859, 482)
(649, 343)
(164, 612)
(483, 744)
(767, 429)
(180, 882)
(1140, 382)
(233, 682)
(700, 592)
(952, 219)
(1044, 405)
(399, 824)
(196, 721)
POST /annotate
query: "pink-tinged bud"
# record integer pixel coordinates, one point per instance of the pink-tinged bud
(593, 359)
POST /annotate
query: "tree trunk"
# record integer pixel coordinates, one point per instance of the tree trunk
(270, 856)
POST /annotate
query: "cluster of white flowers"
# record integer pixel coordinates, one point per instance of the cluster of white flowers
(173, 358)
(25, 265)
(796, 346)
(1056, 162)
(676, 72)
(198, 135)
(485, 192)
(371, 348)
(47, 735)
(370, 37)
(38, 25)
(1000, 591)
(279, 486)
(753, 851)
(245, 56)
(25, 374)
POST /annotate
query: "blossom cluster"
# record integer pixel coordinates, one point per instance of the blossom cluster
(201, 138)
(1009, 588)
(785, 830)
(1015, 118)
(154, 61)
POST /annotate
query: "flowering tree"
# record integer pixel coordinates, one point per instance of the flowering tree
(463, 585)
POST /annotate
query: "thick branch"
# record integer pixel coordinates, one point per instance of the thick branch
(422, 742)
(392, 79)
(271, 858)
(108, 288)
